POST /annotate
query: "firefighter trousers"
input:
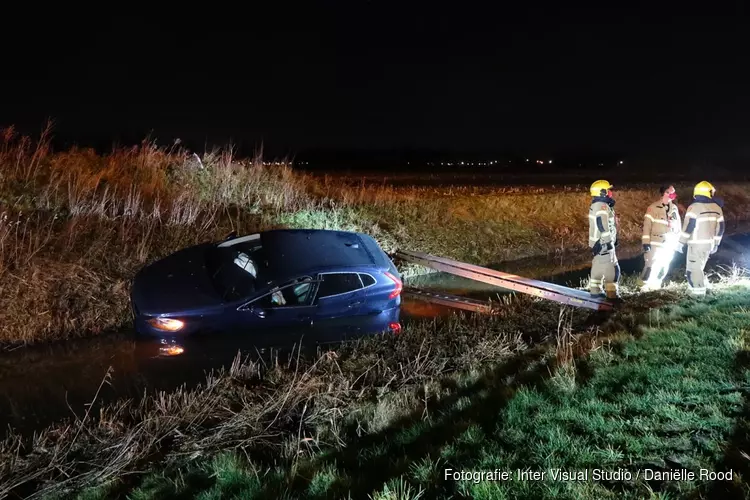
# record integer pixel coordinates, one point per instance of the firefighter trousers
(605, 274)
(656, 265)
(648, 258)
(697, 258)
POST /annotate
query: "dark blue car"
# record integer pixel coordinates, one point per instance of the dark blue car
(267, 284)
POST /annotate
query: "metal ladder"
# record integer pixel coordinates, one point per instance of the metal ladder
(536, 288)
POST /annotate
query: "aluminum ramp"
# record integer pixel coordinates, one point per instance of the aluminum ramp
(549, 291)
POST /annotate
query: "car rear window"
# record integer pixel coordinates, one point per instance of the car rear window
(338, 283)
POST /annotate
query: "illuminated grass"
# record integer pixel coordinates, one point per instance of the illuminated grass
(672, 397)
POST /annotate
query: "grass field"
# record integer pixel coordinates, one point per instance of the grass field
(659, 386)
(75, 226)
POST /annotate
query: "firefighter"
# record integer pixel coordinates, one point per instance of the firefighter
(605, 270)
(702, 230)
(661, 230)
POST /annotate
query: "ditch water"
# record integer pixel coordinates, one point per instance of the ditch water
(43, 384)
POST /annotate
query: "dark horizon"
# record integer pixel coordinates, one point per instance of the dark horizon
(651, 85)
(421, 160)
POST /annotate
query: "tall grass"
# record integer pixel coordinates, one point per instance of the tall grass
(76, 225)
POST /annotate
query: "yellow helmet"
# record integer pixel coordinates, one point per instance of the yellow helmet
(704, 188)
(599, 186)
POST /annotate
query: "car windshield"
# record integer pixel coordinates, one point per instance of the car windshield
(236, 270)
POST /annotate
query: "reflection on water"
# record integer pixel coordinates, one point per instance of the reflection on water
(421, 309)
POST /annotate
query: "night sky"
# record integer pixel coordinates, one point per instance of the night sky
(549, 78)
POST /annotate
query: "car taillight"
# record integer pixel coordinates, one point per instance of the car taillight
(395, 327)
(399, 286)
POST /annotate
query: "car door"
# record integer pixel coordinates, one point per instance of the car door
(338, 295)
(281, 316)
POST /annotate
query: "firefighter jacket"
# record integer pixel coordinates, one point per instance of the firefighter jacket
(660, 220)
(602, 223)
(704, 223)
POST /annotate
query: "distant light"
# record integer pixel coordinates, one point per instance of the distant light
(527, 159)
(550, 161)
(620, 162)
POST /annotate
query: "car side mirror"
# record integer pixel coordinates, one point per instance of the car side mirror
(231, 235)
(258, 312)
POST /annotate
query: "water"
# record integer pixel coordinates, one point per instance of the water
(43, 384)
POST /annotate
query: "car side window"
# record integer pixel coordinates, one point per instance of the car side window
(367, 280)
(338, 283)
(290, 296)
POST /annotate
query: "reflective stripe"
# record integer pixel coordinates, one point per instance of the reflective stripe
(700, 242)
(685, 235)
(690, 214)
(704, 219)
(658, 221)
(602, 212)
(645, 237)
(606, 234)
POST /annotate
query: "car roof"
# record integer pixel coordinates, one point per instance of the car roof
(296, 252)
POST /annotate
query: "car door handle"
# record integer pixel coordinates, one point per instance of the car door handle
(355, 304)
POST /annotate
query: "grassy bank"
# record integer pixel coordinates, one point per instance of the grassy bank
(660, 385)
(75, 226)
(266, 410)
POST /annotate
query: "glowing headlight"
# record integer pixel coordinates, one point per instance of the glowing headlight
(166, 324)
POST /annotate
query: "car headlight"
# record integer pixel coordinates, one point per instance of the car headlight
(166, 324)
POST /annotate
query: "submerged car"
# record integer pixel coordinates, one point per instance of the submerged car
(268, 344)
(272, 281)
